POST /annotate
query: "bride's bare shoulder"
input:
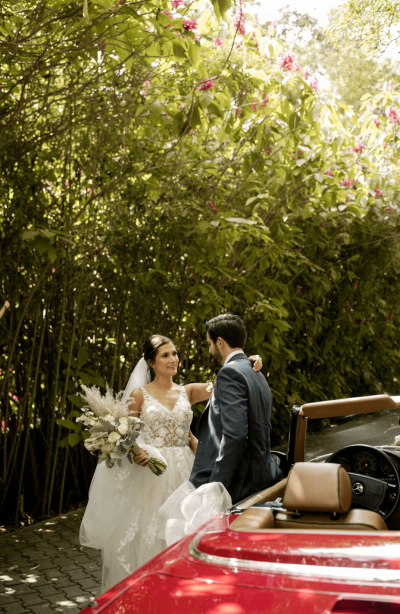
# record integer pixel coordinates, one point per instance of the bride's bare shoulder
(135, 402)
(136, 395)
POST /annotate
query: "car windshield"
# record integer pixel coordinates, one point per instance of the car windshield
(370, 429)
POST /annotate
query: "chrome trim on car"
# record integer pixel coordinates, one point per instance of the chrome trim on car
(348, 574)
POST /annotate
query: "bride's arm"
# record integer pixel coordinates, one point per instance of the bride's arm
(198, 392)
(135, 404)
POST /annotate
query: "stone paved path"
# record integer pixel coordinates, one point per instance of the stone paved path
(43, 568)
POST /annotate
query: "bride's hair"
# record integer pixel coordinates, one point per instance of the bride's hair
(151, 347)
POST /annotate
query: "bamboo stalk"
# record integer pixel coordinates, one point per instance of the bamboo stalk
(32, 402)
(63, 478)
(115, 356)
(18, 435)
(62, 404)
(54, 400)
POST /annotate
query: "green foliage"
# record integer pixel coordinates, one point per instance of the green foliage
(151, 180)
(373, 24)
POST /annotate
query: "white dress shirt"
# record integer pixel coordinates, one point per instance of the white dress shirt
(232, 354)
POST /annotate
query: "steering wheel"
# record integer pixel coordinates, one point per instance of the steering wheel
(368, 492)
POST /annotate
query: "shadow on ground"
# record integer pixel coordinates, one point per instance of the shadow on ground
(44, 569)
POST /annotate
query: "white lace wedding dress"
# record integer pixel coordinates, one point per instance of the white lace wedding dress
(122, 517)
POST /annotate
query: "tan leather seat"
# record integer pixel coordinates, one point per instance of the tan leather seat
(317, 497)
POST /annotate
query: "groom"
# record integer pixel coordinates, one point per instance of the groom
(234, 431)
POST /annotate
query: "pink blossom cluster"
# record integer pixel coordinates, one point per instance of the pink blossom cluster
(314, 84)
(190, 24)
(376, 122)
(264, 101)
(392, 115)
(329, 172)
(378, 193)
(306, 74)
(166, 12)
(348, 183)
(176, 3)
(218, 42)
(206, 85)
(359, 148)
(286, 61)
(239, 21)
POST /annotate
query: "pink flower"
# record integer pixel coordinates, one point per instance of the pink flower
(359, 148)
(89, 190)
(384, 144)
(378, 193)
(254, 104)
(239, 113)
(286, 61)
(264, 101)
(314, 84)
(212, 206)
(388, 210)
(206, 85)
(392, 115)
(272, 25)
(218, 42)
(53, 270)
(297, 67)
(329, 172)
(348, 183)
(14, 397)
(166, 12)
(176, 3)
(306, 74)
(239, 21)
(376, 122)
(189, 25)
(180, 107)
(390, 86)
(67, 182)
(256, 19)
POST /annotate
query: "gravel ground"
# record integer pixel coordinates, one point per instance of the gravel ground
(44, 569)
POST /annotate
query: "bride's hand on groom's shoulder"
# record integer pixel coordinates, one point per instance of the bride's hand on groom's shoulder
(257, 360)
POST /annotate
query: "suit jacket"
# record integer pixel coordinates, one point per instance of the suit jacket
(234, 433)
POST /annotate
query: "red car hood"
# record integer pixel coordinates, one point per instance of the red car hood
(219, 571)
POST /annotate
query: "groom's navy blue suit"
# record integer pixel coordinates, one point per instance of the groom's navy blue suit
(234, 433)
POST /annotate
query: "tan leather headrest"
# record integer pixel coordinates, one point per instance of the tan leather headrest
(318, 487)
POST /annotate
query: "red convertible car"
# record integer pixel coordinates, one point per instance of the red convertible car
(326, 539)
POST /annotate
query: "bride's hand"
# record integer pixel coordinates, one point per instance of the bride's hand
(142, 459)
(193, 441)
(257, 362)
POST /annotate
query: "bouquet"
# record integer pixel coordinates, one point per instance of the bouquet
(113, 432)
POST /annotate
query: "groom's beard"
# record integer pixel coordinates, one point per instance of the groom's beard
(217, 359)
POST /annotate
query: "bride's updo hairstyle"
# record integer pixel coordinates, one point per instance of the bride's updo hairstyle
(151, 347)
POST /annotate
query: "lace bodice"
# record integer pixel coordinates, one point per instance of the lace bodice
(164, 427)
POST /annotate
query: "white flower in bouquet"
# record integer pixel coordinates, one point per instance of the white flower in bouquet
(113, 432)
(113, 437)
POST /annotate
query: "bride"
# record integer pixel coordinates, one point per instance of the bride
(122, 518)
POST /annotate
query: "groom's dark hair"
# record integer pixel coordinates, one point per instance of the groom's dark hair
(229, 327)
